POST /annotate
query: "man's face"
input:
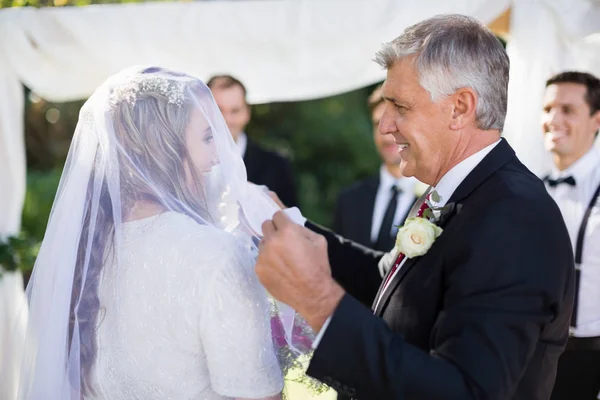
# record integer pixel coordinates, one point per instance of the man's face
(385, 144)
(419, 126)
(566, 121)
(233, 106)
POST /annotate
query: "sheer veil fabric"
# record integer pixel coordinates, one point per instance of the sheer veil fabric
(144, 286)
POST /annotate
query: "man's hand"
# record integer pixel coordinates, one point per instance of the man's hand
(277, 200)
(293, 266)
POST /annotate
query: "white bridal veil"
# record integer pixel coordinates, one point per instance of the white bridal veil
(148, 141)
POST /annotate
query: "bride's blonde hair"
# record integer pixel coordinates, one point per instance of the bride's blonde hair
(150, 120)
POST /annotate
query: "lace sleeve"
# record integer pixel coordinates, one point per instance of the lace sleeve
(235, 330)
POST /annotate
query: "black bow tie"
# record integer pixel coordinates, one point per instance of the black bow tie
(569, 180)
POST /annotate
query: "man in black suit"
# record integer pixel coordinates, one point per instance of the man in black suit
(370, 211)
(481, 312)
(263, 167)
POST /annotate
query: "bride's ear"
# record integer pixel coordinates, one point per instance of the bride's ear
(464, 111)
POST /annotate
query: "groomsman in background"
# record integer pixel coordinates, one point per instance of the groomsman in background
(369, 211)
(264, 167)
(571, 120)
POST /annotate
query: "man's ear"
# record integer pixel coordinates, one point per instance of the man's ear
(596, 118)
(464, 108)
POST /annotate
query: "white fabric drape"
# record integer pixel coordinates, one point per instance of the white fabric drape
(12, 193)
(12, 148)
(13, 319)
(282, 50)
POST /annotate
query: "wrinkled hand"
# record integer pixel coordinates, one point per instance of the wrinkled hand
(293, 266)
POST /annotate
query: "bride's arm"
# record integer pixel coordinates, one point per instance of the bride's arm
(235, 328)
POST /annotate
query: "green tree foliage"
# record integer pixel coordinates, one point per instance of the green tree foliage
(328, 140)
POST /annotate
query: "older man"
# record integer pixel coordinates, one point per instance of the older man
(478, 302)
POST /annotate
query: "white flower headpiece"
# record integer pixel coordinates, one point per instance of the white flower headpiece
(172, 89)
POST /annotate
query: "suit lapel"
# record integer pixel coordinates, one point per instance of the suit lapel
(385, 296)
(417, 204)
(409, 264)
(498, 157)
(414, 204)
(411, 213)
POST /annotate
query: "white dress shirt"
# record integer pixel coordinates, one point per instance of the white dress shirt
(242, 143)
(406, 197)
(573, 202)
(445, 188)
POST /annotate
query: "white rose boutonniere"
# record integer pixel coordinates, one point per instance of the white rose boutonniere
(416, 237)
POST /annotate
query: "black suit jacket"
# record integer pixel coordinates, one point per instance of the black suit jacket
(353, 218)
(272, 170)
(484, 314)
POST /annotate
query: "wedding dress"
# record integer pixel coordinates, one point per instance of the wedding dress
(185, 319)
(144, 286)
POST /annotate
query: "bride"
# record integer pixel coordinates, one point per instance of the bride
(144, 287)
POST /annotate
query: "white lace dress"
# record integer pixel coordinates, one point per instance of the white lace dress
(183, 317)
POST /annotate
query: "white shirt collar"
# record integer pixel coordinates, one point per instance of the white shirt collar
(387, 180)
(242, 143)
(580, 168)
(450, 181)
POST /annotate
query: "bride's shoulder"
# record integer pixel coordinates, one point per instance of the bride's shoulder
(186, 232)
(199, 249)
(173, 220)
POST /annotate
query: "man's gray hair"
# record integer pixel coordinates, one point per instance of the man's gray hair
(452, 52)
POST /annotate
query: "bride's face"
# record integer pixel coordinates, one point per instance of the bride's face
(201, 144)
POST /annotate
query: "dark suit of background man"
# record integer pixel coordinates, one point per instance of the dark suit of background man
(264, 167)
(484, 313)
(370, 211)
(570, 122)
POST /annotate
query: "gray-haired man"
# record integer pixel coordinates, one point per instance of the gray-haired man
(480, 311)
